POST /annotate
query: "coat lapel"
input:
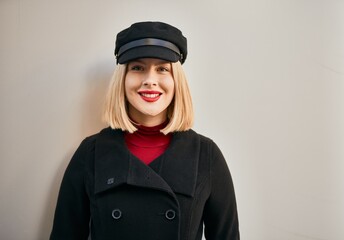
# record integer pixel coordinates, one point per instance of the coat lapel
(115, 165)
(111, 162)
(180, 162)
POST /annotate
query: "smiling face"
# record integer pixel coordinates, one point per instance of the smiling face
(149, 89)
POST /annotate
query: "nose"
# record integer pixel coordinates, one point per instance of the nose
(150, 78)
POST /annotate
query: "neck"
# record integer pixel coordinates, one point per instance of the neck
(156, 129)
(147, 143)
(149, 121)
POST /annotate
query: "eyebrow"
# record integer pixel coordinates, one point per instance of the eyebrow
(142, 62)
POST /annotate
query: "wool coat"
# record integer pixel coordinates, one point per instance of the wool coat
(108, 194)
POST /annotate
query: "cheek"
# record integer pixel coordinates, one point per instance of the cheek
(129, 85)
(170, 86)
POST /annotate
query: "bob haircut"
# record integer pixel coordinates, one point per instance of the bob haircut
(179, 112)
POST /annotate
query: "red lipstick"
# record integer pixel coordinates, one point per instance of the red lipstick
(150, 96)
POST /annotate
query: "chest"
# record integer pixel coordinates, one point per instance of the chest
(164, 199)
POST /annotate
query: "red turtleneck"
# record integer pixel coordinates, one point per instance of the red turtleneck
(147, 143)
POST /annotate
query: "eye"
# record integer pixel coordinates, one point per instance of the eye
(136, 68)
(163, 69)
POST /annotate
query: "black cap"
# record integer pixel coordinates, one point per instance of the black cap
(151, 40)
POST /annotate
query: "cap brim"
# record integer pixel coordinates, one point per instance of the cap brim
(148, 52)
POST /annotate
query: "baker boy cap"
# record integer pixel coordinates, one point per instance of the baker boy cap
(150, 40)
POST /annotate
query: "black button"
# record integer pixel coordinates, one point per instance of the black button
(170, 214)
(116, 214)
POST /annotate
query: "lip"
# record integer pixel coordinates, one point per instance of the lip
(150, 96)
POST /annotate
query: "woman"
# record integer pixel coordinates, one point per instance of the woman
(148, 176)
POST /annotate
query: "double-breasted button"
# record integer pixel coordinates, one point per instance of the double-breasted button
(170, 214)
(116, 214)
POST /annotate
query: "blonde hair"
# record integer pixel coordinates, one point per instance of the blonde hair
(179, 112)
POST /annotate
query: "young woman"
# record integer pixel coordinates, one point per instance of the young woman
(148, 176)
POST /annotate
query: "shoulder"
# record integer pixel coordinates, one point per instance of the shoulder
(86, 153)
(204, 140)
(102, 134)
(207, 147)
(193, 134)
(89, 143)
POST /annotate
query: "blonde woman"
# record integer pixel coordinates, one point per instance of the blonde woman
(148, 175)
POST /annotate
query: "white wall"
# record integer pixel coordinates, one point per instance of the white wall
(267, 79)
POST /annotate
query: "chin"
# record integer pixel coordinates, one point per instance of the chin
(152, 114)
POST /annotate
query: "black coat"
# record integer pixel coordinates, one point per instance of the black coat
(108, 193)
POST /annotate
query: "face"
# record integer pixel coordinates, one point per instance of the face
(149, 89)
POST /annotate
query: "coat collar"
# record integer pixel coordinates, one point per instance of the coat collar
(115, 165)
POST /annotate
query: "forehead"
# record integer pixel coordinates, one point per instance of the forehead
(149, 61)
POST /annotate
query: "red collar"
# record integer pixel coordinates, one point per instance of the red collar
(147, 143)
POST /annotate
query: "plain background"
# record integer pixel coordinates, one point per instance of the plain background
(267, 79)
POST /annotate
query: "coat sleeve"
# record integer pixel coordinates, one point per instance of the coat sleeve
(220, 213)
(72, 214)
